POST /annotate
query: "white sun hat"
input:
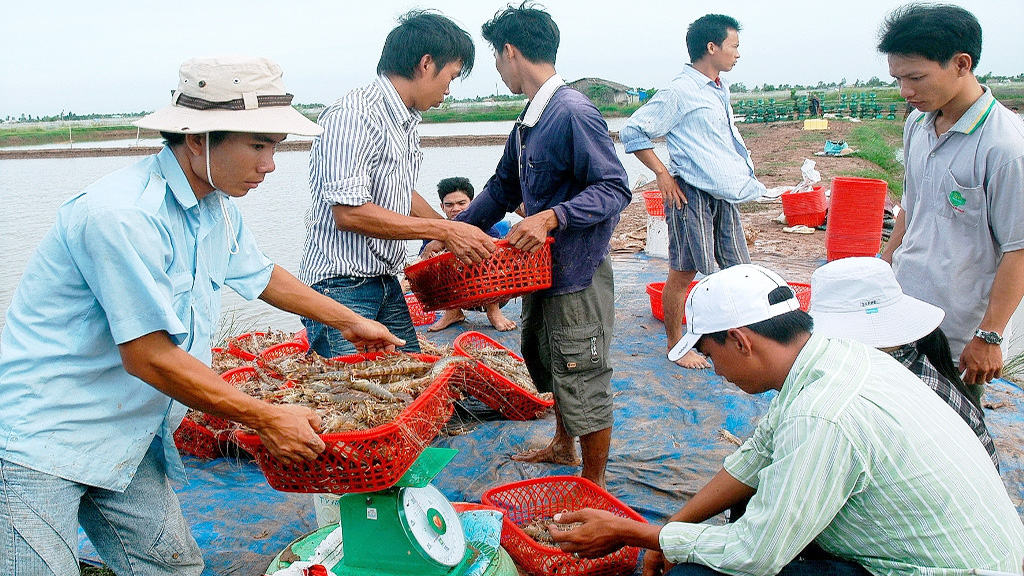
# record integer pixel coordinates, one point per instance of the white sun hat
(732, 298)
(230, 94)
(859, 299)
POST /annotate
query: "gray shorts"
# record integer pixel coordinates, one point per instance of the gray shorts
(566, 341)
(704, 231)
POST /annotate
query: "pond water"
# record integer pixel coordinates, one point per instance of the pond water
(32, 190)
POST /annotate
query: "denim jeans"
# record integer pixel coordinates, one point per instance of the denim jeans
(378, 298)
(138, 532)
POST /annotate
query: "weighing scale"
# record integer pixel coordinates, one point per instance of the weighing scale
(407, 529)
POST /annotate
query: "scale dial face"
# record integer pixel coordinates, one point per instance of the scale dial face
(433, 525)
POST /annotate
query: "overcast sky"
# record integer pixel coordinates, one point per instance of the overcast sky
(112, 56)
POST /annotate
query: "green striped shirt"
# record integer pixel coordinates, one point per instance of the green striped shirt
(859, 455)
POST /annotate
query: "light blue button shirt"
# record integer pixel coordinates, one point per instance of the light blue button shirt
(134, 253)
(705, 148)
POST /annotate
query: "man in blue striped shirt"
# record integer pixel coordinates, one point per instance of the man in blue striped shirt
(362, 173)
(710, 168)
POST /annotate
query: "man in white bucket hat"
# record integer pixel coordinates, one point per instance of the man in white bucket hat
(859, 298)
(108, 334)
(855, 454)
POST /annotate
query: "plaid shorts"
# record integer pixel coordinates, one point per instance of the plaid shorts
(705, 231)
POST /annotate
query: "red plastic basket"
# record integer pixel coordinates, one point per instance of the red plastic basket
(655, 291)
(855, 217)
(443, 282)
(279, 351)
(806, 208)
(654, 203)
(235, 348)
(208, 439)
(496, 391)
(528, 500)
(302, 337)
(366, 460)
(420, 317)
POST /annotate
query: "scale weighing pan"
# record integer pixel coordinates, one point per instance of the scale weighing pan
(409, 528)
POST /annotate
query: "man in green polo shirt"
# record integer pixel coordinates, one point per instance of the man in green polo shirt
(958, 243)
(856, 454)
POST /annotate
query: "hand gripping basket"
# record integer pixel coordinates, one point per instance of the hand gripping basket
(529, 500)
(366, 460)
(495, 390)
(443, 282)
(205, 436)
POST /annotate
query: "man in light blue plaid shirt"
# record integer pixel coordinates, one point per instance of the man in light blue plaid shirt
(709, 172)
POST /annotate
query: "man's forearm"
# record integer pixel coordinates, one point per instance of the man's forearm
(1006, 294)
(717, 496)
(651, 160)
(155, 359)
(422, 209)
(288, 293)
(376, 222)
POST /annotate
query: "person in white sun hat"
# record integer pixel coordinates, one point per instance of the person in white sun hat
(855, 455)
(860, 299)
(107, 338)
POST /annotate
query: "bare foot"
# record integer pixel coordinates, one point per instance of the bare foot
(499, 320)
(693, 360)
(551, 453)
(447, 319)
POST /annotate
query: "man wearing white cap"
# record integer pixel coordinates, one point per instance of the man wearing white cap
(108, 334)
(855, 454)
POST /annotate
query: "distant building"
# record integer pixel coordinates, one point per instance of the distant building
(602, 91)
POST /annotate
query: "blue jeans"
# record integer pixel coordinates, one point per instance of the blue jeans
(138, 532)
(378, 298)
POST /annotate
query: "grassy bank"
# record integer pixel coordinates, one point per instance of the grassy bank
(877, 142)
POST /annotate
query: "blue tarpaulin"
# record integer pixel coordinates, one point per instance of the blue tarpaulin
(669, 439)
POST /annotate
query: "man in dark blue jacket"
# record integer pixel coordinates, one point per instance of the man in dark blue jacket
(560, 163)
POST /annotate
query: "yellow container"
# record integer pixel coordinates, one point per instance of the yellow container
(816, 124)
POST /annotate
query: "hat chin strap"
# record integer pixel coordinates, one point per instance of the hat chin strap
(233, 247)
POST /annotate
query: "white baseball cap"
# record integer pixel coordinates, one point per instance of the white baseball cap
(230, 94)
(860, 299)
(732, 298)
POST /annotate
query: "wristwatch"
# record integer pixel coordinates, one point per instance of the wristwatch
(990, 337)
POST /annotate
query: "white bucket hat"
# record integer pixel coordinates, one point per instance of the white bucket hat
(732, 298)
(230, 94)
(859, 298)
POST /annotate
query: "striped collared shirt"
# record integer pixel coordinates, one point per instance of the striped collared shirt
(369, 153)
(705, 148)
(857, 454)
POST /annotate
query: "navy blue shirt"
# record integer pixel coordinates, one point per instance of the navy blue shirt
(564, 161)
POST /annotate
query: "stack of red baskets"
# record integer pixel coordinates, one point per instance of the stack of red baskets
(365, 460)
(496, 391)
(443, 282)
(805, 208)
(542, 498)
(654, 203)
(655, 291)
(855, 217)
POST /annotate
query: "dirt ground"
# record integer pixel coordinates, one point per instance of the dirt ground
(778, 150)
